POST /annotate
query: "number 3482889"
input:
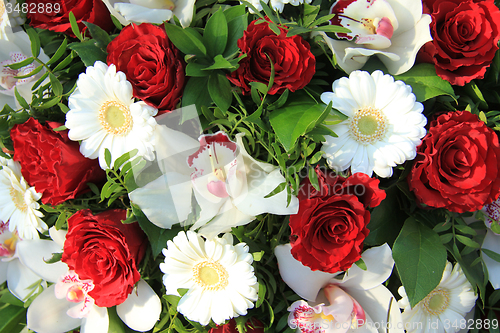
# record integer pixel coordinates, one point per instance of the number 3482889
(33, 8)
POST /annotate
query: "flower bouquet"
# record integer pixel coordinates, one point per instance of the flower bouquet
(249, 166)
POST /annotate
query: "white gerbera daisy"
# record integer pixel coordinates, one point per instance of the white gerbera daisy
(444, 308)
(383, 128)
(18, 203)
(219, 277)
(103, 115)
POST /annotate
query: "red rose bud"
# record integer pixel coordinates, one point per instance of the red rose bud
(151, 63)
(52, 163)
(54, 14)
(465, 38)
(103, 249)
(327, 233)
(294, 64)
(457, 164)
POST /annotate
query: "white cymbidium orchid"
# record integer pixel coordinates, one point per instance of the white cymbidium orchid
(14, 48)
(22, 262)
(394, 30)
(71, 307)
(359, 298)
(151, 11)
(492, 242)
(229, 186)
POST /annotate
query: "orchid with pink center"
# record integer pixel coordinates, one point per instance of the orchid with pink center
(21, 259)
(358, 300)
(394, 30)
(230, 187)
(72, 307)
(492, 241)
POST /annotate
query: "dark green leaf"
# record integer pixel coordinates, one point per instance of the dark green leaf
(277, 190)
(30, 74)
(196, 69)
(492, 254)
(216, 33)
(107, 157)
(13, 318)
(88, 52)
(21, 99)
(61, 220)
(115, 323)
(313, 178)
(297, 30)
(236, 26)
(219, 89)
(425, 83)
(332, 28)
(188, 40)
(100, 36)
(196, 92)
(21, 64)
(66, 61)
(420, 259)
(467, 241)
(59, 53)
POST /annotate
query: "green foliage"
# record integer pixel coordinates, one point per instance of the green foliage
(420, 259)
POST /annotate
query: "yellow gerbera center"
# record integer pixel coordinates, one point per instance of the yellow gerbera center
(210, 275)
(18, 199)
(115, 118)
(368, 125)
(436, 302)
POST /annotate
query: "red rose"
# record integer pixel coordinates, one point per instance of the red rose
(103, 249)
(152, 64)
(327, 233)
(294, 64)
(457, 164)
(465, 38)
(52, 163)
(54, 14)
(252, 326)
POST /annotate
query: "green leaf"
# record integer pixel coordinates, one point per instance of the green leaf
(361, 264)
(8, 298)
(188, 40)
(313, 178)
(59, 53)
(236, 26)
(467, 241)
(277, 190)
(420, 259)
(55, 258)
(35, 41)
(101, 37)
(57, 88)
(61, 220)
(21, 64)
(88, 52)
(216, 33)
(425, 83)
(30, 74)
(380, 231)
(115, 323)
(124, 158)
(297, 30)
(492, 254)
(220, 63)
(66, 61)
(219, 89)
(107, 157)
(465, 229)
(21, 99)
(13, 318)
(196, 92)
(158, 237)
(291, 122)
(196, 69)
(332, 28)
(74, 26)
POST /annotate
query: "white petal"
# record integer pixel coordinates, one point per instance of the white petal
(97, 321)
(47, 314)
(32, 253)
(376, 303)
(228, 217)
(141, 309)
(492, 242)
(139, 14)
(166, 200)
(3, 271)
(379, 264)
(184, 11)
(294, 274)
(58, 236)
(19, 278)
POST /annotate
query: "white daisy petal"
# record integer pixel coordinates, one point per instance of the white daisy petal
(102, 115)
(383, 128)
(221, 285)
